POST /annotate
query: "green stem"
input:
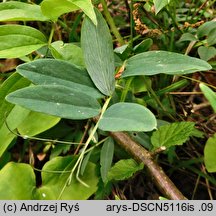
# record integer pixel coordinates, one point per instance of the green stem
(112, 23)
(175, 23)
(149, 88)
(170, 88)
(80, 159)
(126, 89)
(51, 34)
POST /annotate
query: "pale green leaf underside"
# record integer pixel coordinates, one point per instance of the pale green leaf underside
(17, 40)
(53, 183)
(14, 118)
(8, 112)
(156, 62)
(128, 117)
(17, 182)
(55, 8)
(209, 154)
(56, 100)
(97, 46)
(58, 72)
(173, 134)
(20, 11)
(36, 123)
(12, 83)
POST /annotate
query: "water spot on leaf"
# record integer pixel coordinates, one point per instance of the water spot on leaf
(33, 66)
(25, 137)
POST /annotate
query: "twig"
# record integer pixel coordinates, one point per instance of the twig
(140, 154)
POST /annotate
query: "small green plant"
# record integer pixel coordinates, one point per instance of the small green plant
(87, 83)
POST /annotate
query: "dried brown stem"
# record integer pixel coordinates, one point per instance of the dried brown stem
(140, 154)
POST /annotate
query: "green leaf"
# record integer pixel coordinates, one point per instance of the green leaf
(54, 8)
(106, 158)
(160, 4)
(20, 11)
(128, 117)
(36, 123)
(211, 40)
(138, 84)
(85, 162)
(124, 169)
(12, 115)
(209, 94)
(156, 62)
(17, 182)
(17, 40)
(173, 134)
(143, 46)
(44, 193)
(187, 37)
(56, 100)
(206, 28)
(58, 72)
(209, 154)
(68, 52)
(53, 183)
(97, 46)
(206, 53)
(12, 83)
(142, 138)
(14, 119)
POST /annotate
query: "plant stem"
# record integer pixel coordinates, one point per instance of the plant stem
(140, 154)
(79, 160)
(175, 23)
(51, 34)
(149, 88)
(112, 23)
(126, 89)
